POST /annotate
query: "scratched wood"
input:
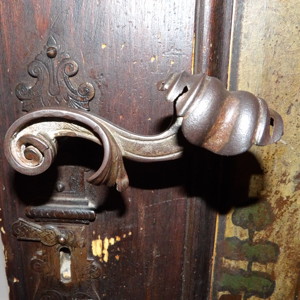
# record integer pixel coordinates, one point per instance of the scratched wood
(155, 240)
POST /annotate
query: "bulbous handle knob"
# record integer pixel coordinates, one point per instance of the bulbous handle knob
(223, 122)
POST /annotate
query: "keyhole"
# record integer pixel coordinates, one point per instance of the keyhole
(65, 265)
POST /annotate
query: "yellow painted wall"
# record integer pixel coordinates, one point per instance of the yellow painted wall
(266, 61)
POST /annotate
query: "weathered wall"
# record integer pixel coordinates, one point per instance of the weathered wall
(257, 254)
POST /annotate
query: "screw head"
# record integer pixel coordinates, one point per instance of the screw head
(62, 240)
(51, 52)
(60, 187)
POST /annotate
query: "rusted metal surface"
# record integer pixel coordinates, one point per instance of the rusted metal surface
(209, 116)
(69, 242)
(223, 122)
(48, 235)
(42, 145)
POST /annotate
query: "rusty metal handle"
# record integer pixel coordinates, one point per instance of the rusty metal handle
(226, 123)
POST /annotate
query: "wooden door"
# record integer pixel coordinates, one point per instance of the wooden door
(155, 240)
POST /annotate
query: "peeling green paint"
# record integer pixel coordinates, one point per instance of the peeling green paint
(255, 217)
(236, 249)
(250, 283)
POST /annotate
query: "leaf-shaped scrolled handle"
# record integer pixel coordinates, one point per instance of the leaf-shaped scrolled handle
(209, 116)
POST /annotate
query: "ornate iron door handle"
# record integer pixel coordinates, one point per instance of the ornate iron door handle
(209, 116)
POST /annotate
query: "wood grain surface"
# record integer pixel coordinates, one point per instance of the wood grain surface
(159, 234)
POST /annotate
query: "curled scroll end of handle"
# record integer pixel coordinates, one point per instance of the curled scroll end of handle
(269, 130)
(30, 154)
(31, 145)
(278, 128)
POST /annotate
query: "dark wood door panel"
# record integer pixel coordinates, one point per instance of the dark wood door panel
(155, 240)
